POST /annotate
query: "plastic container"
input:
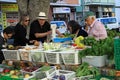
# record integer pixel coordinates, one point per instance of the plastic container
(116, 47)
(62, 39)
(70, 57)
(25, 54)
(67, 75)
(53, 57)
(11, 54)
(88, 77)
(40, 74)
(108, 77)
(33, 72)
(117, 53)
(97, 61)
(8, 78)
(38, 55)
(117, 62)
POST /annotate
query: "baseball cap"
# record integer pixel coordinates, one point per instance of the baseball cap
(87, 14)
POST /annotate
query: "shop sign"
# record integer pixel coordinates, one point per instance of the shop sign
(4, 20)
(9, 7)
(65, 2)
(8, 0)
(61, 10)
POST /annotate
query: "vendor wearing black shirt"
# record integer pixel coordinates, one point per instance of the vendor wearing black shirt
(39, 32)
(40, 28)
(21, 32)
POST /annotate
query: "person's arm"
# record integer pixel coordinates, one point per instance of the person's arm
(39, 35)
(1, 42)
(59, 34)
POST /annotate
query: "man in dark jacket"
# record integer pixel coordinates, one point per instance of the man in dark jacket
(6, 34)
(40, 28)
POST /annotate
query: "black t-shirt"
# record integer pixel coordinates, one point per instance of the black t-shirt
(20, 35)
(82, 33)
(1, 41)
(35, 27)
(1, 53)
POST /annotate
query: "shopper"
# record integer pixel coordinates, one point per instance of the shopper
(21, 31)
(40, 28)
(96, 28)
(4, 36)
(76, 29)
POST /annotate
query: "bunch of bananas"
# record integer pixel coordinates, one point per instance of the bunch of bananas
(78, 42)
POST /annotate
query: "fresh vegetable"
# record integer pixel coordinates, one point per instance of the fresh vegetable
(45, 68)
(68, 35)
(89, 41)
(78, 42)
(104, 79)
(84, 69)
(99, 48)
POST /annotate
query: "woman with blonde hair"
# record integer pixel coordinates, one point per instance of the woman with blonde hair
(21, 31)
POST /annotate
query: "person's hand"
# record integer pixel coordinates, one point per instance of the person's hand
(49, 32)
(61, 35)
(37, 35)
(32, 41)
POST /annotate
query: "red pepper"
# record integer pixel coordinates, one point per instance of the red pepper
(74, 44)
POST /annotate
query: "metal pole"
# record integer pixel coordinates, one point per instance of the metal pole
(83, 5)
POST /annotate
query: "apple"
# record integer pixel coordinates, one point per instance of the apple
(26, 76)
(12, 72)
(6, 70)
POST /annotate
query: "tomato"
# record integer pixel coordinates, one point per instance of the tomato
(74, 44)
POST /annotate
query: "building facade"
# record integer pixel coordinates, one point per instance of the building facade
(64, 9)
(101, 8)
(60, 10)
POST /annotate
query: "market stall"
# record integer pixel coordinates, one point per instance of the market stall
(53, 59)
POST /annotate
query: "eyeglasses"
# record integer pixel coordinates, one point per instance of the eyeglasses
(27, 20)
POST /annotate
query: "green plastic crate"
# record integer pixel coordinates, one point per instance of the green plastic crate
(101, 76)
(8, 78)
(117, 53)
(116, 47)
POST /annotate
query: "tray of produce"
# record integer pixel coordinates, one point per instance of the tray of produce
(62, 75)
(11, 74)
(11, 54)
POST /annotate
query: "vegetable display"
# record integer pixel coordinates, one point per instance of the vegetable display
(84, 69)
(98, 48)
(78, 43)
